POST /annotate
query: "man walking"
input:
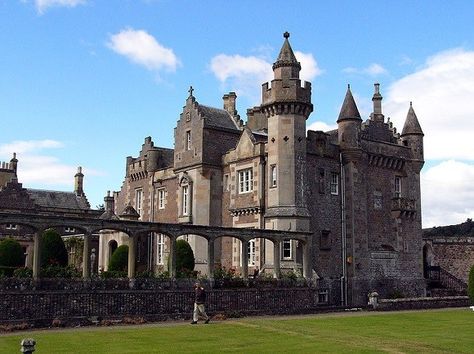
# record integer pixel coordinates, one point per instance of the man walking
(199, 300)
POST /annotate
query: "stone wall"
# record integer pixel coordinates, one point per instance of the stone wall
(30, 302)
(422, 303)
(454, 254)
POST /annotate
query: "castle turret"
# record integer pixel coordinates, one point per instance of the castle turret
(79, 182)
(287, 105)
(412, 136)
(349, 125)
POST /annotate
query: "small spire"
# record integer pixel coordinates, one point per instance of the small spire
(412, 125)
(349, 108)
(286, 56)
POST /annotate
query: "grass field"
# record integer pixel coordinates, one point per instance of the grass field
(433, 331)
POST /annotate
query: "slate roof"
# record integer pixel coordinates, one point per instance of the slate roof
(349, 108)
(412, 126)
(58, 199)
(218, 118)
(260, 136)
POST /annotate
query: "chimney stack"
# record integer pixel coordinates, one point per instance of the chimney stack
(79, 182)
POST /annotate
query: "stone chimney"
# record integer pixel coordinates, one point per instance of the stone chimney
(79, 182)
(377, 102)
(14, 163)
(109, 203)
(229, 103)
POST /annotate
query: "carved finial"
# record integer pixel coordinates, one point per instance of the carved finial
(286, 35)
(190, 91)
(14, 155)
(410, 104)
(348, 86)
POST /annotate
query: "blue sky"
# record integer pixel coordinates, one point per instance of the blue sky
(83, 82)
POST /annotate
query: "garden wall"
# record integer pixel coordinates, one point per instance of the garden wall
(46, 300)
(422, 303)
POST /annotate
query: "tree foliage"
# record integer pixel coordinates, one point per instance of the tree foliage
(53, 250)
(119, 259)
(464, 229)
(11, 253)
(470, 288)
(184, 257)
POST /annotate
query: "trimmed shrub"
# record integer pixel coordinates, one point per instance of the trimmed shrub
(23, 273)
(470, 288)
(11, 256)
(113, 274)
(184, 259)
(53, 250)
(57, 271)
(119, 260)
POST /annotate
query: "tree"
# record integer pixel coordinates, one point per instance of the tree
(11, 255)
(184, 257)
(119, 259)
(53, 250)
(470, 287)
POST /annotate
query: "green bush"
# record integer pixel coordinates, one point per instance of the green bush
(119, 259)
(470, 288)
(53, 250)
(113, 274)
(184, 259)
(11, 256)
(57, 271)
(23, 273)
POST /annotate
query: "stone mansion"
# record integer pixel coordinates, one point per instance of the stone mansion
(356, 189)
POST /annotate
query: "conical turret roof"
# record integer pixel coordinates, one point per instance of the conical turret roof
(349, 108)
(286, 56)
(412, 126)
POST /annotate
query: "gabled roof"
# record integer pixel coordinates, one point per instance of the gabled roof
(218, 118)
(58, 199)
(349, 108)
(411, 126)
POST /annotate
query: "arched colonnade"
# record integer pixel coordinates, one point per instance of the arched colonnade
(88, 225)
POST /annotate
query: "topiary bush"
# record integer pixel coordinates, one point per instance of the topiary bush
(470, 287)
(11, 256)
(53, 250)
(184, 259)
(119, 260)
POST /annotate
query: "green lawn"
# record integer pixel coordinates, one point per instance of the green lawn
(441, 331)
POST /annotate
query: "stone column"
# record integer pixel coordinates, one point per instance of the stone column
(172, 258)
(245, 259)
(36, 255)
(307, 260)
(210, 258)
(86, 268)
(276, 259)
(132, 249)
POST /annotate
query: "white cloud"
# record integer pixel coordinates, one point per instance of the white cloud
(373, 69)
(38, 169)
(447, 193)
(42, 5)
(442, 94)
(244, 73)
(27, 146)
(142, 48)
(321, 126)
